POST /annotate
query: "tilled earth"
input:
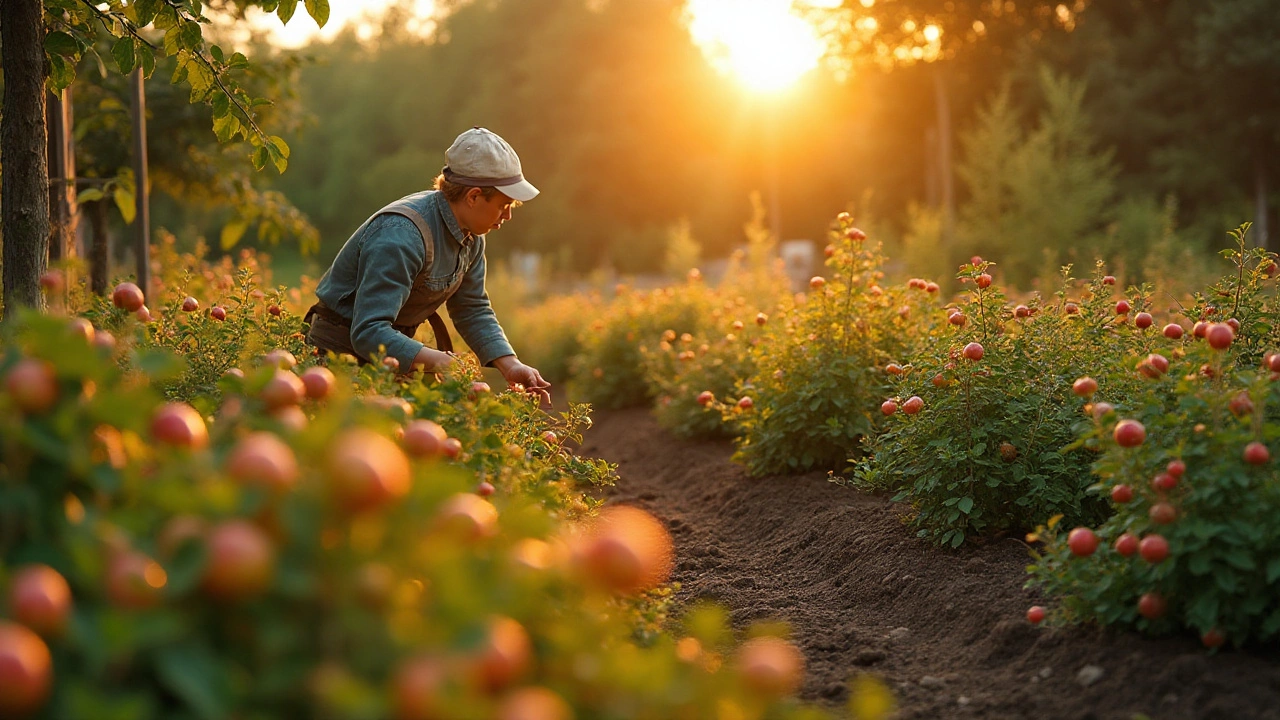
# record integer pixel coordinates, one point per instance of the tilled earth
(945, 629)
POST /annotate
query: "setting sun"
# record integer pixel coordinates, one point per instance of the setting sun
(761, 42)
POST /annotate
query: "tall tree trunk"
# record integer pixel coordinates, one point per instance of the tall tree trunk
(24, 210)
(100, 250)
(62, 175)
(946, 177)
(1260, 203)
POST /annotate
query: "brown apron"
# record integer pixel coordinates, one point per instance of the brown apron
(331, 332)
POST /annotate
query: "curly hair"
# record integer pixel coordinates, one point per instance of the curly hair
(453, 192)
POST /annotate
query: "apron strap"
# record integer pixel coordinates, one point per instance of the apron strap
(444, 342)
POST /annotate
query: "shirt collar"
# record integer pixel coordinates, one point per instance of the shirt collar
(450, 221)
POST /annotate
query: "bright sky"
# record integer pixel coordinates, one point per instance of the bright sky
(302, 28)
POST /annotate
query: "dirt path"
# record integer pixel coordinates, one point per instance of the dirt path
(944, 628)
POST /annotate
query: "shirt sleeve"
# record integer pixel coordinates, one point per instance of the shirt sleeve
(473, 316)
(390, 258)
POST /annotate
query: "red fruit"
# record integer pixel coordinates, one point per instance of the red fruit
(1130, 433)
(1200, 328)
(280, 358)
(144, 314)
(1158, 362)
(761, 318)
(1122, 493)
(1273, 362)
(957, 318)
(262, 458)
(913, 405)
(1085, 386)
(81, 328)
(1241, 405)
(931, 287)
(940, 380)
(127, 296)
(478, 389)
(856, 234)
(705, 397)
(1082, 542)
(218, 313)
(737, 325)
(134, 581)
(467, 517)
(1153, 548)
(241, 560)
(179, 530)
(367, 470)
(893, 369)
(1127, 544)
(274, 309)
(1152, 606)
(1143, 320)
(746, 403)
(817, 282)
(1176, 468)
(983, 281)
(190, 305)
(1109, 280)
(770, 666)
(453, 446)
(1122, 307)
(1219, 336)
(1164, 482)
(418, 689)
(1022, 311)
(1213, 638)
(534, 703)
(179, 425)
(1235, 325)
(505, 654)
(1173, 331)
(626, 550)
(973, 351)
(52, 282)
(282, 390)
(888, 407)
(423, 439)
(318, 382)
(40, 598)
(975, 260)
(485, 489)
(26, 670)
(1255, 453)
(1035, 615)
(32, 385)
(1071, 308)
(1162, 513)
(829, 250)
(1100, 409)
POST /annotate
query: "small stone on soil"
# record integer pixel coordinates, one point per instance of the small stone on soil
(899, 633)
(1089, 674)
(1046, 672)
(933, 683)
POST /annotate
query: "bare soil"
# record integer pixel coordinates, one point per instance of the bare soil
(945, 629)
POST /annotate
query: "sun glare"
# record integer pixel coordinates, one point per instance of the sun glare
(765, 45)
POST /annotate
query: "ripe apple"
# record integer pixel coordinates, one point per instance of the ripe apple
(280, 358)
(1273, 362)
(1176, 468)
(81, 328)
(262, 458)
(1008, 451)
(418, 689)
(1219, 336)
(104, 340)
(1123, 307)
(40, 598)
(746, 403)
(1255, 453)
(983, 281)
(318, 382)
(888, 407)
(128, 297)
(367, 470)
(1100, 409)
(1071, 308)
(625, 550)
(1162, 513)
(816, 282)
(534, 703)
(1082, 542)
(274, 309)
(26, 670)
(1241, 404)
(1152, 606)
(931, 287)
(1199, 329)
(957, 318)
(1085, 387)
(241, 560)
(1213, 638)
(468, 517)
(52, 282)
(283, 389)
(770, 666)
(179, 425)
(893, 369)
(1127, 544)
(134, 581)
(423, 439)
(218, 313)
(1173, 331)
(761, 318)
(1235, 325)
(913, 405)
(1130, 433)
(1164, 482)
(179, 530)
(1109, 280)
(1143, 320)
(1022, 311)
(504, 655)
(485, 489)
(1154, 548)
(33, 386)
(453, 446)
(856, 234)
(1122, 493)
(190, 304)
(973, 351)
(705, 397)
(1035, 615)
(975, 260)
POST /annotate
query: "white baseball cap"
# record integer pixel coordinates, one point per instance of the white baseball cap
(479, 158)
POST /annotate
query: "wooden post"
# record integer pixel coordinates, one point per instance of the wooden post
(142, 244)
(62, 177)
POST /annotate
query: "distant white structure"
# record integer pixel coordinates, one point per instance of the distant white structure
(798, 257)
(527, 267)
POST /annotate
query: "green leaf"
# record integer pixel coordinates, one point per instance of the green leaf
(192, 36)
(90, 195)
(238, 60)
(260, 158)
(216, 52)
(319, 11)
(232, 232)
(60, 43)
(221, 105)
(145, 11)
(966, 505)
(1273, 570)
(126, 202)
(148, 61)
(122, 51)
(226, 126)
(286, 10)
(192, 673)
(61, 72)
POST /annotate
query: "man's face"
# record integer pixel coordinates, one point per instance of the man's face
(483, 214)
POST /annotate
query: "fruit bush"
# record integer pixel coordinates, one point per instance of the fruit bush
(981, 427)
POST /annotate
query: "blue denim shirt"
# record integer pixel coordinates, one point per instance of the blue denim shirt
(374, 272)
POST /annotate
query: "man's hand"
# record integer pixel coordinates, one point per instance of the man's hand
(519, 374)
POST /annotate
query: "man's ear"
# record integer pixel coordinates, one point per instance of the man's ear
(474, 195)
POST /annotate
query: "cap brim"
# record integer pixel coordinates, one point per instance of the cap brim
(523, 191)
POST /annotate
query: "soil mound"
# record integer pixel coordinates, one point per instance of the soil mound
(945, 629)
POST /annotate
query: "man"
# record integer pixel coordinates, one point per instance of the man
(423, 251)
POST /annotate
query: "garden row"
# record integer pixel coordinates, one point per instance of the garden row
(1148, 429)
(199, 519)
